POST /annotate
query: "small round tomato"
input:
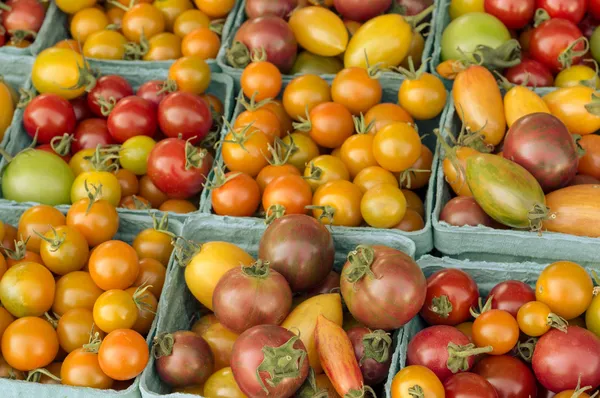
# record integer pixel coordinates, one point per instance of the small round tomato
(171, 9)
(423, 97)
(149, 191)
(191, 73)
(114, 265)
(515, 14)
(357, 153)
(291, 192)
(496, 328)
(29, 343)
(304, 150)
(356, 90)
(64, 249)
(132, 116)
(69, 44)
(551, 38)
(412, 221)
(134, 202)
(190, 20)
(271, 172)
(60, 71)
(111, 189)
(75, 290)
(86, 22)
(142, 20)
(245, 150)
(128, 181)
(154, 243)
(262, 119)
(323, 169)
(214, 103)
(115, 15)
(417, 379)
(97, 222)
(134, 153)
(304, 93)
(222, 384)
(147, 304)
(530, 73)
(75, 328)
(48, 116)
(572, 10)
(178, 206)
(261, 80)
(152, 273)
(202, 42)
(163, 47)
(397, 147)
(372, 176)
(417, 176)
(185, 116)
(566, 288)
(81, 368)
(215, 8)
(40, 219)
(235, 194)
(329, 124)
(338, 203)
(285, 122)
(535, 319)
(382, 115)
(90, 133)
(383, 206)
(576, 75)
(27, 289)
(115, 309)
(221, 340)
(123, 354)
(72, 6)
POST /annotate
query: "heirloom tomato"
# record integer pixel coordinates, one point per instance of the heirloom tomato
(60, 71)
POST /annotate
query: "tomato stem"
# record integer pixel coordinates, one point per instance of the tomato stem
(240, 136)
(376, 346)
(415, 20)
(258, 54)
(360, 124)
(538, 215)
(525, 350)
(217, 26)
(35, 375)
(26, 96)
(94, 343)
(540, 17)
(252, 105)
(54, 242)
(416, 391)
(280, 152)
(441, 306)
(94, 196)
(309, 388)
(259, 269)
(327, 212)
(304, 124)
(5, 7)
(281, 363)
(567, 56)
(238, 55)
(580, 390)
(557, 322)
(482, 307)
(184, 250)
(458, 356)
(360, 260)
(406, 176)
(51, 320)
(20, 249)
(315, 172)
(162, 345)
(274, 212)
(61, 145)
(139, 295)
(594, 106)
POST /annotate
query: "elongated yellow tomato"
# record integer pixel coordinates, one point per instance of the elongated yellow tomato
(478, 103)
(520, 101)
(319, 31)
(303, 321)
(7, 106)
(576, 75)
(209, 264)
(385, 39)
(574, 107)
(60, 71)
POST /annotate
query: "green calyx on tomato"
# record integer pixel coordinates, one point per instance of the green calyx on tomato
(458, 356)
(281, 363)
(104, 158)
(185, 250)
(259, 269)
(62, 144)
(273, 213)
(194, 156)
(567, 56)
(377, 346)
(361, 126)
(55, 242)
(360, 260)
(238, 55)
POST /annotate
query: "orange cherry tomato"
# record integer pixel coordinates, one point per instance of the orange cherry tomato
(291, 192)
(5, 320)
(128, 182)
(261, 119)
(589, 164)
(87, 22)
(202, 42)
(261, 80)
(285, 122)
(191, 73)
(171, 9)
(329, 124)
(147, 305)
(178, 206)
(397, 147)
(382, 115)
(414, 179)
(64, 249)
(411, 377)
(411, 222)
(82, 369)
(152, 273)
(383, 206)
(134, 202)
(154, 243)
(304, 151)
(75, 290)
(123, 354)
(357, 153)
(424, 97)
(304, 93)
(40, 219)
(27, 289)
(190, 20)
(338, 203)
(245, 150)
(221, 341)
(69, 44)
(373, 176)
(115, 309)
(75, 328)
(98, 223)
(114, 265)
(142, 20)
(236, 194)
(29, 343)
(115, 15)
(498, 329)
(214, 102)
(323, 169)
(149, 191)
(270, 172)
(163, 47)
(215, 8)
(356, 90)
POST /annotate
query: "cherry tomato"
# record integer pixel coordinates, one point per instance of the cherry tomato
(515, 14)
(397, 147)
(82, 369)
(178, 206)
(222, 384)
(142, 20)
(154, 243)
(48, 116)
(551, 38)
(261, 80)
(530, 73)
(509, 296)
(202, 42)
(115, 309)
(149, 191)
(413, 179)
(123, 354)
(304, 151)
(215, 8)
(111, 189)
(147, 305)
(572, 10)
(86, 22)
(245, 150)
(40, 219)
(75, 328)
(152, 273)
(128, 182)
(464, 385)
(304, 93)
(382, 115)
(262, 119)
(330, 124)
(417, 378)
(155, 90)
(576, 75)
(64, 249)
(107, 91)
(114, 265)
(509, 376)
(589, 164)
(535, 319)
(339, 203)
(29, 343)
(323, 169)
(171, 9)
(190, 20)
(291, 192)
(372, 176)
(75, 290)
(566, 288)
(27, 16)
(115, 14)
(496, 328)
(271, 172)
(163, 47)
(356, 90)
(383, 206)
(357, 153)
(285, 122)
(191, 73)
(98, 223)
(134, 154)
(236, 195)
(131, 117)
(221, 341)
(90, 133)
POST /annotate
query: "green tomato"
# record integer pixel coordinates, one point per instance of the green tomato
(134, 152)
(462, 7)
(469, 31)
(310, 63)
(592, 316)
(37, 176)
(595, 44)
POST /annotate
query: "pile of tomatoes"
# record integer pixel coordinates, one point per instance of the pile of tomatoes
(277, 322)
(332, 34)
(145, 30)
(20, 21)
(76, 303)
(540, 43)
(522, 342)
(139, 150)
(335, 150)
(544, 172)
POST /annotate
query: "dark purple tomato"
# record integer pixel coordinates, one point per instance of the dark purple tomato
(542, 144)
(154, 91)
(48, 116)
(588, 24)
(412, 7)
(509, 296)
(274, 35)
(262, 8)
(551, 38)
(382, 287)
(572, 10)
(106, 93)
(331, 282)
(373, 352)
(132, 116)
(582, 179)
(562, 360)
(464, 210)
(300, 248)
(531, 73)
(359, 10)
(469, 385)
(90, 133)
(515, 14)
(80, 106)
(184, 114)
(510, 377)
(278, 374)
(182, 358)
(250, 296)
(450, 295)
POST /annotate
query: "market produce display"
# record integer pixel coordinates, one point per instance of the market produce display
(151, 31)
(21, 22)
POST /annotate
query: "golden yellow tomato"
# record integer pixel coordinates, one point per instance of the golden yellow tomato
(577, 107)
(60, 71)
(319, 31)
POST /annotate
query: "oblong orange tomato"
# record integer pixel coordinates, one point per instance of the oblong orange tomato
(478, 103)
(577, 107)
(520, 101)
(575, 210)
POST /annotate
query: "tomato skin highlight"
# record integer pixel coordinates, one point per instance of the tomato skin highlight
(577, 208)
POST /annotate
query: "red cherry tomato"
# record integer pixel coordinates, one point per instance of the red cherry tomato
(80, 106)
(573, 10)
(509, 376)
(106, 93)
(23, 15)
(515, 14)
(132, 116)
(49, 116)
(154, 91)
(186, 114)
(469, 385)
(551, 38)
(450, 295)
(510, 296)
(532, 72)
(90, 133)
(178, 168)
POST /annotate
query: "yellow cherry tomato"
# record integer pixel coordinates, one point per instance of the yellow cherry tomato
(520, 101)
(461, 7)
(535, 319)
(134, 152)
(191, 73)
(79, 164)
(423, 97)
(576, 75)
(569, 105)
(383, 206)
(357, 153)
(372, 176)
(105, 44)
(319, 31)
(190, 20)
(59, 71)
(323, 169)
(221, 384)
(202, 42)
(397, 147)
(338, 203)
(305, 150)
(86, 22)
(111, 189)
(215, 8)
(142, 20)
(163, 47)
(411, 377)
(171, 9)
(73, 6)
(384, 39)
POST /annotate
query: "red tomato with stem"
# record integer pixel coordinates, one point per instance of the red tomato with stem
(572, 10)
(468, 385)
(515, 14)
(107, 92)
(553, 43)
(530, 73)
(509, 296)
(185, 114)
(90, 133)
(510, 377)
(48, 116)
(132, 116)
(178, 168)
(156, 90)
